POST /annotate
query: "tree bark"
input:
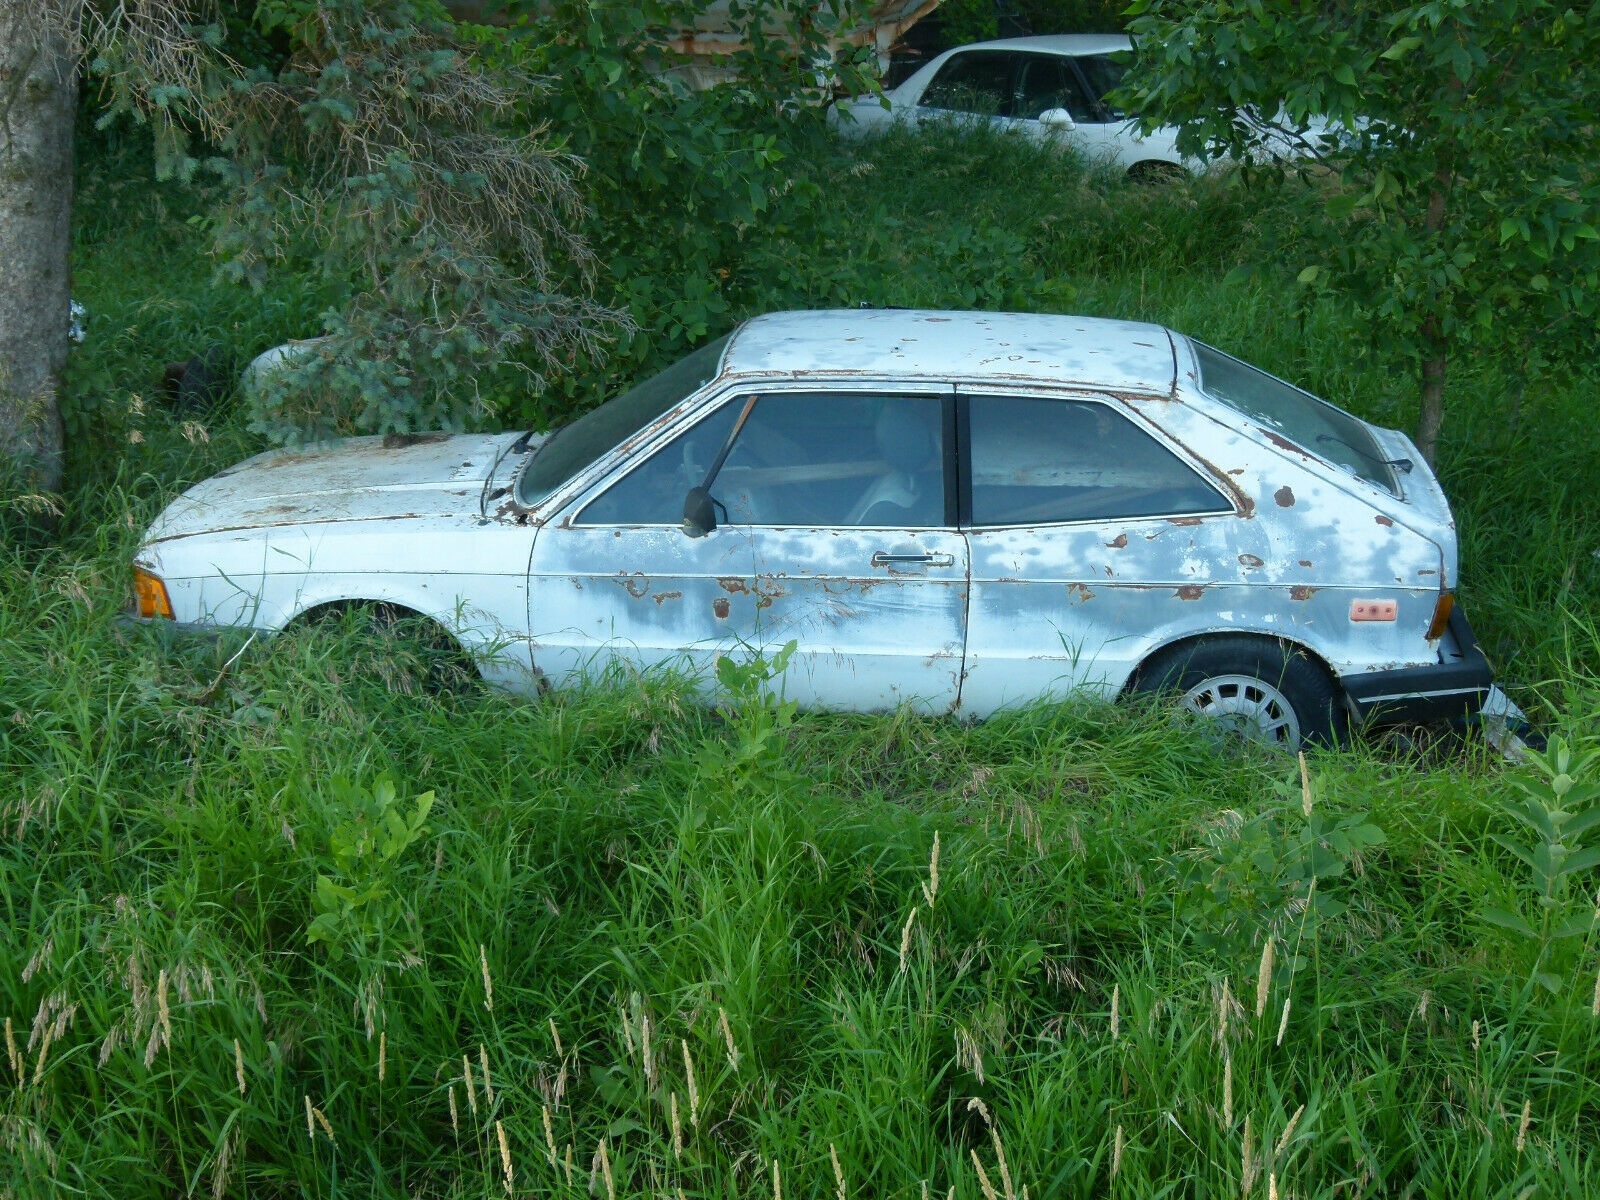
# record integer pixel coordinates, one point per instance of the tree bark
(1431, 417)
(38, 96)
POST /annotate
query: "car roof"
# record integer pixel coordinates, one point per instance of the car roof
(971, 346)
(1073, 44)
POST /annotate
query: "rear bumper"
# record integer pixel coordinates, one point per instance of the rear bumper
(1453, 688)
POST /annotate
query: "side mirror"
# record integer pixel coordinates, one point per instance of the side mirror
(699, 513)
(1057, 118)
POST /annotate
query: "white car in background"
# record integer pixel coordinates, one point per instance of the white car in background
(959, 511)
(1044, 87)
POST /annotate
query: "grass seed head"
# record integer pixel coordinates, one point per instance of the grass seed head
(1116, 1017)
(1000, 1157)
(488, 983)
(311, 1128)
(677, 1126)
(1248, 1167)
(1288, 1132)
(838, 1174)
(15, 1059)
(383, 1055)
(1264, 975)
(238, 1064)
(905, 937)
(930, 890)
(1594, 1009)
(555, 1037)
(549, 1134)
(1305, 786)
(694, 1092)
(605, 1168)
(727, 1036)
(322, 1120)
(455, 1119)
(777, 1182)
(505, 1155)
(983, 1179)
(1116, 1153)
(644, 1043)
(1283, 1023)
(1227, 1091)
(466, 1079)
(1522, 1125)
(483, 1065)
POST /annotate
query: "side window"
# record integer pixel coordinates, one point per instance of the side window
(652, 493)
(801, 459)
(1047, 81)
(979, 82)
(1036, 461)
(1102, 75)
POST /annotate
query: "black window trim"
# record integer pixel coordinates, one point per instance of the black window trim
(1226, 495)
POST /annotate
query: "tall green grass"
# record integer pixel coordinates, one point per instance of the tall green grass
(640, 948)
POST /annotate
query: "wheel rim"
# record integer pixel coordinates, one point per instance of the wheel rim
(1246, 706)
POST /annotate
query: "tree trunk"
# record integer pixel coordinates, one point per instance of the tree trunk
(38, 95)
(1433, 366)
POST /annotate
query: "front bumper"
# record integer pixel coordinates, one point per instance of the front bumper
(1454, 688)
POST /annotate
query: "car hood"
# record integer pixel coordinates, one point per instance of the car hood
(356, 479)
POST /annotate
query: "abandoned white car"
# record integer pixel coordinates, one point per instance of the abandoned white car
(955, 511)
(1043, 87)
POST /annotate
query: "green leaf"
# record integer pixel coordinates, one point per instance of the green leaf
(1508, 920)
(1308, 274)
(1343, 74)
(1401, 48)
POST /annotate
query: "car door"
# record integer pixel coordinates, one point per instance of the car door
(834, 531)
(974, 84)
(1092, 539)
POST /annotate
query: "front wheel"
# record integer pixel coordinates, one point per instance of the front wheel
(1256, 689)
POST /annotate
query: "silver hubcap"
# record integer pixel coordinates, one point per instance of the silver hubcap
(1246, 706)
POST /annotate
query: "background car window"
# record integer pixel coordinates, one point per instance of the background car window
(807, 459)
(1046, 81)
(1102, 75)
(1035, 461)
(979, 82)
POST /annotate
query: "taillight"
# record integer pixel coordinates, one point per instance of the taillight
(1441, 615)
(151, 594)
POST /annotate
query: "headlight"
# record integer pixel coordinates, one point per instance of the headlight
(150, 594)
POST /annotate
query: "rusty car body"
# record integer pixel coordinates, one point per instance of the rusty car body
(954, 511)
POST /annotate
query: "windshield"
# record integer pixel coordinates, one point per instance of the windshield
(1314, 425)
(573, 447)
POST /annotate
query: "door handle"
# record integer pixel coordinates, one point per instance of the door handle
(884, 559)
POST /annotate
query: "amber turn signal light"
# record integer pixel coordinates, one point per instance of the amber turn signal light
(1441, 615)
(151, 594)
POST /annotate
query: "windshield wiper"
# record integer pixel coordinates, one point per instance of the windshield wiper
(1404, 465)
(519, 446)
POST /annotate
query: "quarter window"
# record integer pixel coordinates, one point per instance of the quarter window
(800, 459)
(1038, 461)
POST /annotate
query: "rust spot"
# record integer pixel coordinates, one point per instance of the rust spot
(1284, 496)
(578, 584)
(733, 585)
(1237, 471)
(663, 597)
(638, 587)
(1283, 443)
(1427, 571)
(1383, 520)
(1305, 562)
(1183, 520)
(720, 607)
(1083, 594)
(1250, 561)
(1120, 543)
(1302, 592)
(1191, 591)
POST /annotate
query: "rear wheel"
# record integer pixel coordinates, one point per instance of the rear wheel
(1257, 689)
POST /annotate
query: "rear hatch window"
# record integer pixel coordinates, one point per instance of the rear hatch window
(1314, 425)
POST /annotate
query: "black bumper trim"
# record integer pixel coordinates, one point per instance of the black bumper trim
(1455, 687)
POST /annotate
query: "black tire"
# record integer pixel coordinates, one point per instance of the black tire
(1267, 691)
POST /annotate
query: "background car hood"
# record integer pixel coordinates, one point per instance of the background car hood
(356, 479)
